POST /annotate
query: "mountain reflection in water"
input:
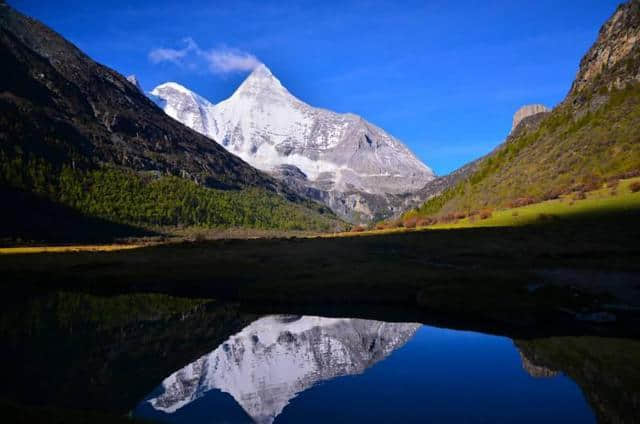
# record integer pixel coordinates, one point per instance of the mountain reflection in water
(271, 370)
(69, 352)
(265, 365)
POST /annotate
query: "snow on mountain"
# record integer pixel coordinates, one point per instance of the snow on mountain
(269, 362)
(134, 80)
(337, 154)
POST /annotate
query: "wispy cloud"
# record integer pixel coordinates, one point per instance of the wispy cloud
(225, 60)
(220, 60)
(166, 55)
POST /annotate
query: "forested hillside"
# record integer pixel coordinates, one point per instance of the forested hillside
(79, 135)
(591, 137)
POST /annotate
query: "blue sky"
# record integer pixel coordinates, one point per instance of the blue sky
(444, 77)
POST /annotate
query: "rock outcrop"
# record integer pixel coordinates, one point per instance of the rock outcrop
(527, 111)
(615, 56)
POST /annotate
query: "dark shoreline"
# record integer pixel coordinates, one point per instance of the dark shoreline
(579, 276)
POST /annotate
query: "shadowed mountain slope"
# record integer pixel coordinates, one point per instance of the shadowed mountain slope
(70, 126)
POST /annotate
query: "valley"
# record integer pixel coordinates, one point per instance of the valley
(536, 277)
(165, 258)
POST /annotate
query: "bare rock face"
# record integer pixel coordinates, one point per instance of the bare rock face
(616, 53)
(527, 111)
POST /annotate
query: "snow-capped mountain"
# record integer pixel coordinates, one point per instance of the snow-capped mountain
(269, 362)
(339, 159)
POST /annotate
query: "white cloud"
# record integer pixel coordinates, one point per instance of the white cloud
(225, 60)
(173, 55)
(221, 60)
(166, 55)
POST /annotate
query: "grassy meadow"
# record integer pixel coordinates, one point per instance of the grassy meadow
(602, 201)
(549, 275)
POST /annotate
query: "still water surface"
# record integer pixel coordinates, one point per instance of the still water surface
(292, 369)
(168, 359)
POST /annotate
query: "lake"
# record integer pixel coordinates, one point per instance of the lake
(165, 359)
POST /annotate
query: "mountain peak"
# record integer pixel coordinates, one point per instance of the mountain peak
(333, 157)
(172, 86)
(262, 83)
(261, 71)
(165, 90)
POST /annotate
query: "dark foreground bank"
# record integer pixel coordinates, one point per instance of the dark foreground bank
(578, 276)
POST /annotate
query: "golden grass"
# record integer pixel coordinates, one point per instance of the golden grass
(68, 249)
(596, 201)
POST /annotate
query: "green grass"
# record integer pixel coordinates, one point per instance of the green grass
(597, 202)
(568, 148)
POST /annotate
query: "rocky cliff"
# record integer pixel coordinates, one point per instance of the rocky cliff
(527, 111)
(614, 59)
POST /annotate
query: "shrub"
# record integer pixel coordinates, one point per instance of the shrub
(357, 229)
(631, 174)
(383, 225)
(450, 217)
(613, 183)
(590, 183)
(410, 222)
(552, 194)
(424, 222)
(485, 213)
(522, 201)
(459, 215)
(580, 195)
(635, 187)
